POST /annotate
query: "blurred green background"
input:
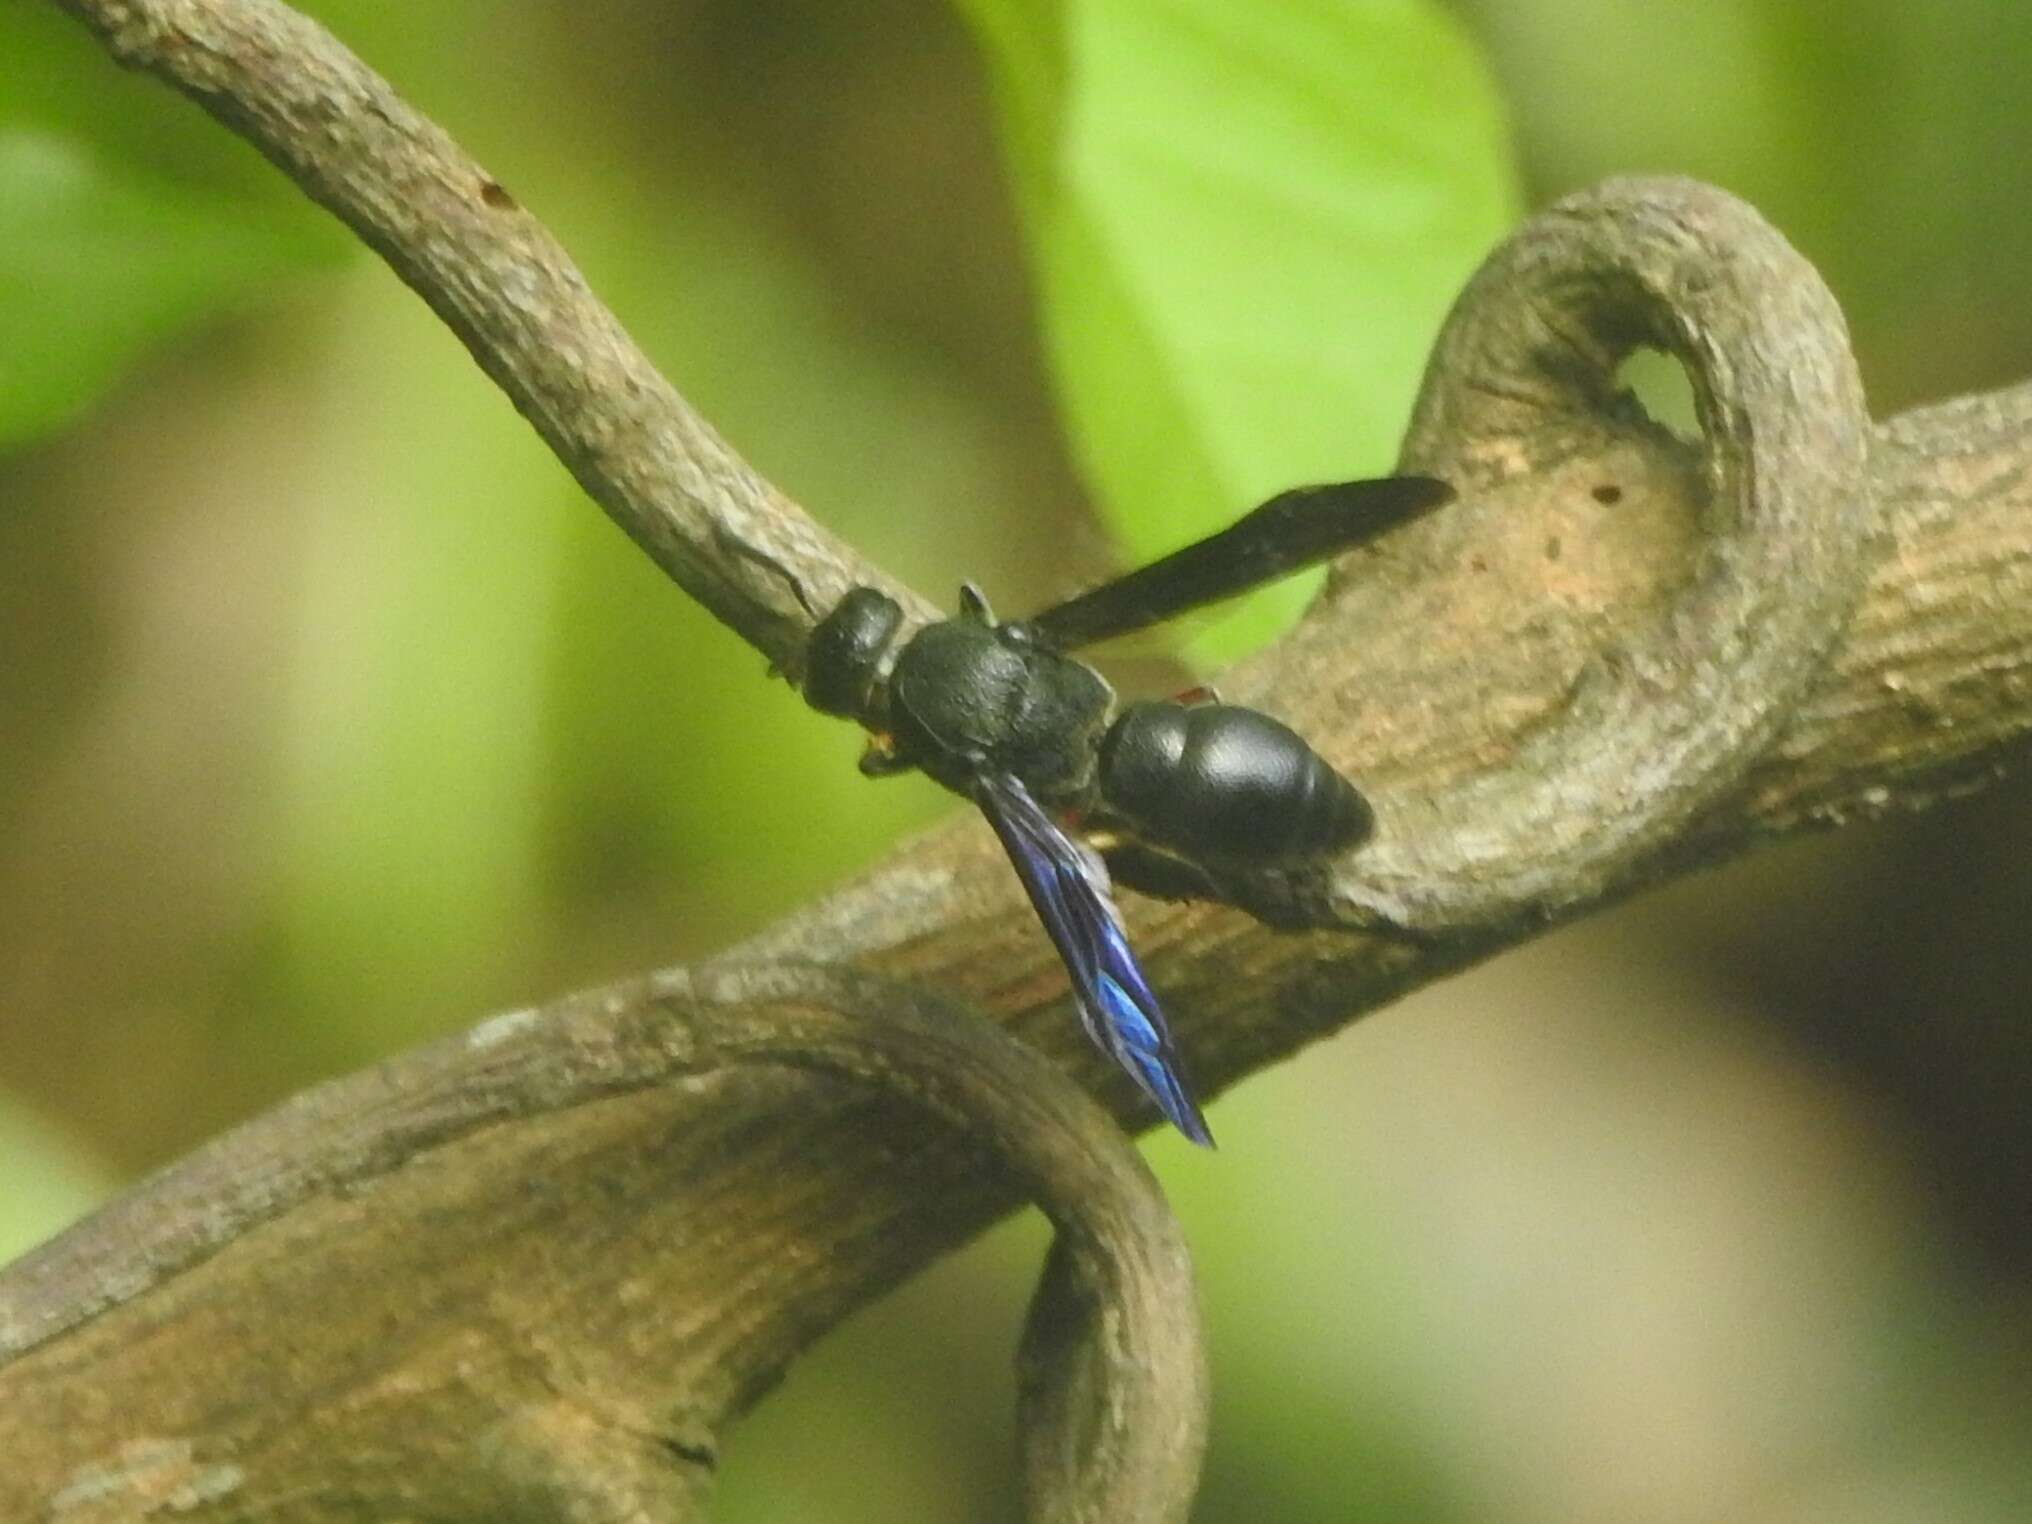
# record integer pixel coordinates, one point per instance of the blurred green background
(334, 717)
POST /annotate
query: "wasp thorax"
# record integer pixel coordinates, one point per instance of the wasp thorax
(967, 695)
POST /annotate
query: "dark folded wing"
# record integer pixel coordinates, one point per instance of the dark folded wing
(1292, 530)
(1068, 885)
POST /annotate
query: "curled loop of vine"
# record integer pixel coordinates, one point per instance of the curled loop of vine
(1661, 726)
(1113, 1388)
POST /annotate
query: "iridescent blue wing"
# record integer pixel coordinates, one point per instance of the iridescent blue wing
(1068, 885)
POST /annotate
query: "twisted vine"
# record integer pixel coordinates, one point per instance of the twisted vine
(1661, 722)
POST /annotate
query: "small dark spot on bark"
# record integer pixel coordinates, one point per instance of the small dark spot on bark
(692, 1454)
(1552, 548)
(1479, 563)
(1608, 492)
(495, 194)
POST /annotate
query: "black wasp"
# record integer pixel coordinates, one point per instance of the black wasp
(1000, 713)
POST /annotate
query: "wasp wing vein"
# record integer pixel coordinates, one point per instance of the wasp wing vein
(1068, 886)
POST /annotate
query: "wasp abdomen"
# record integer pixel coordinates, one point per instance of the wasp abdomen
(1221, 783)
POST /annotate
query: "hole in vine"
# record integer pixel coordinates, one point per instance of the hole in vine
(1662, 388)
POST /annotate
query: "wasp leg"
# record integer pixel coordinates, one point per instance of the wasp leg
(1157, 874)
(881, 758)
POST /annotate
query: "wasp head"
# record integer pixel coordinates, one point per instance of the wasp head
(845, 656)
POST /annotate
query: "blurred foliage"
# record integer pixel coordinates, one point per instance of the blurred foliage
(335, 717)
(123, 220)
(49, 1180)
(1885, 143)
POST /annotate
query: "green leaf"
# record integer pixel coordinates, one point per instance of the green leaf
(125, 214)
(1246, 223)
